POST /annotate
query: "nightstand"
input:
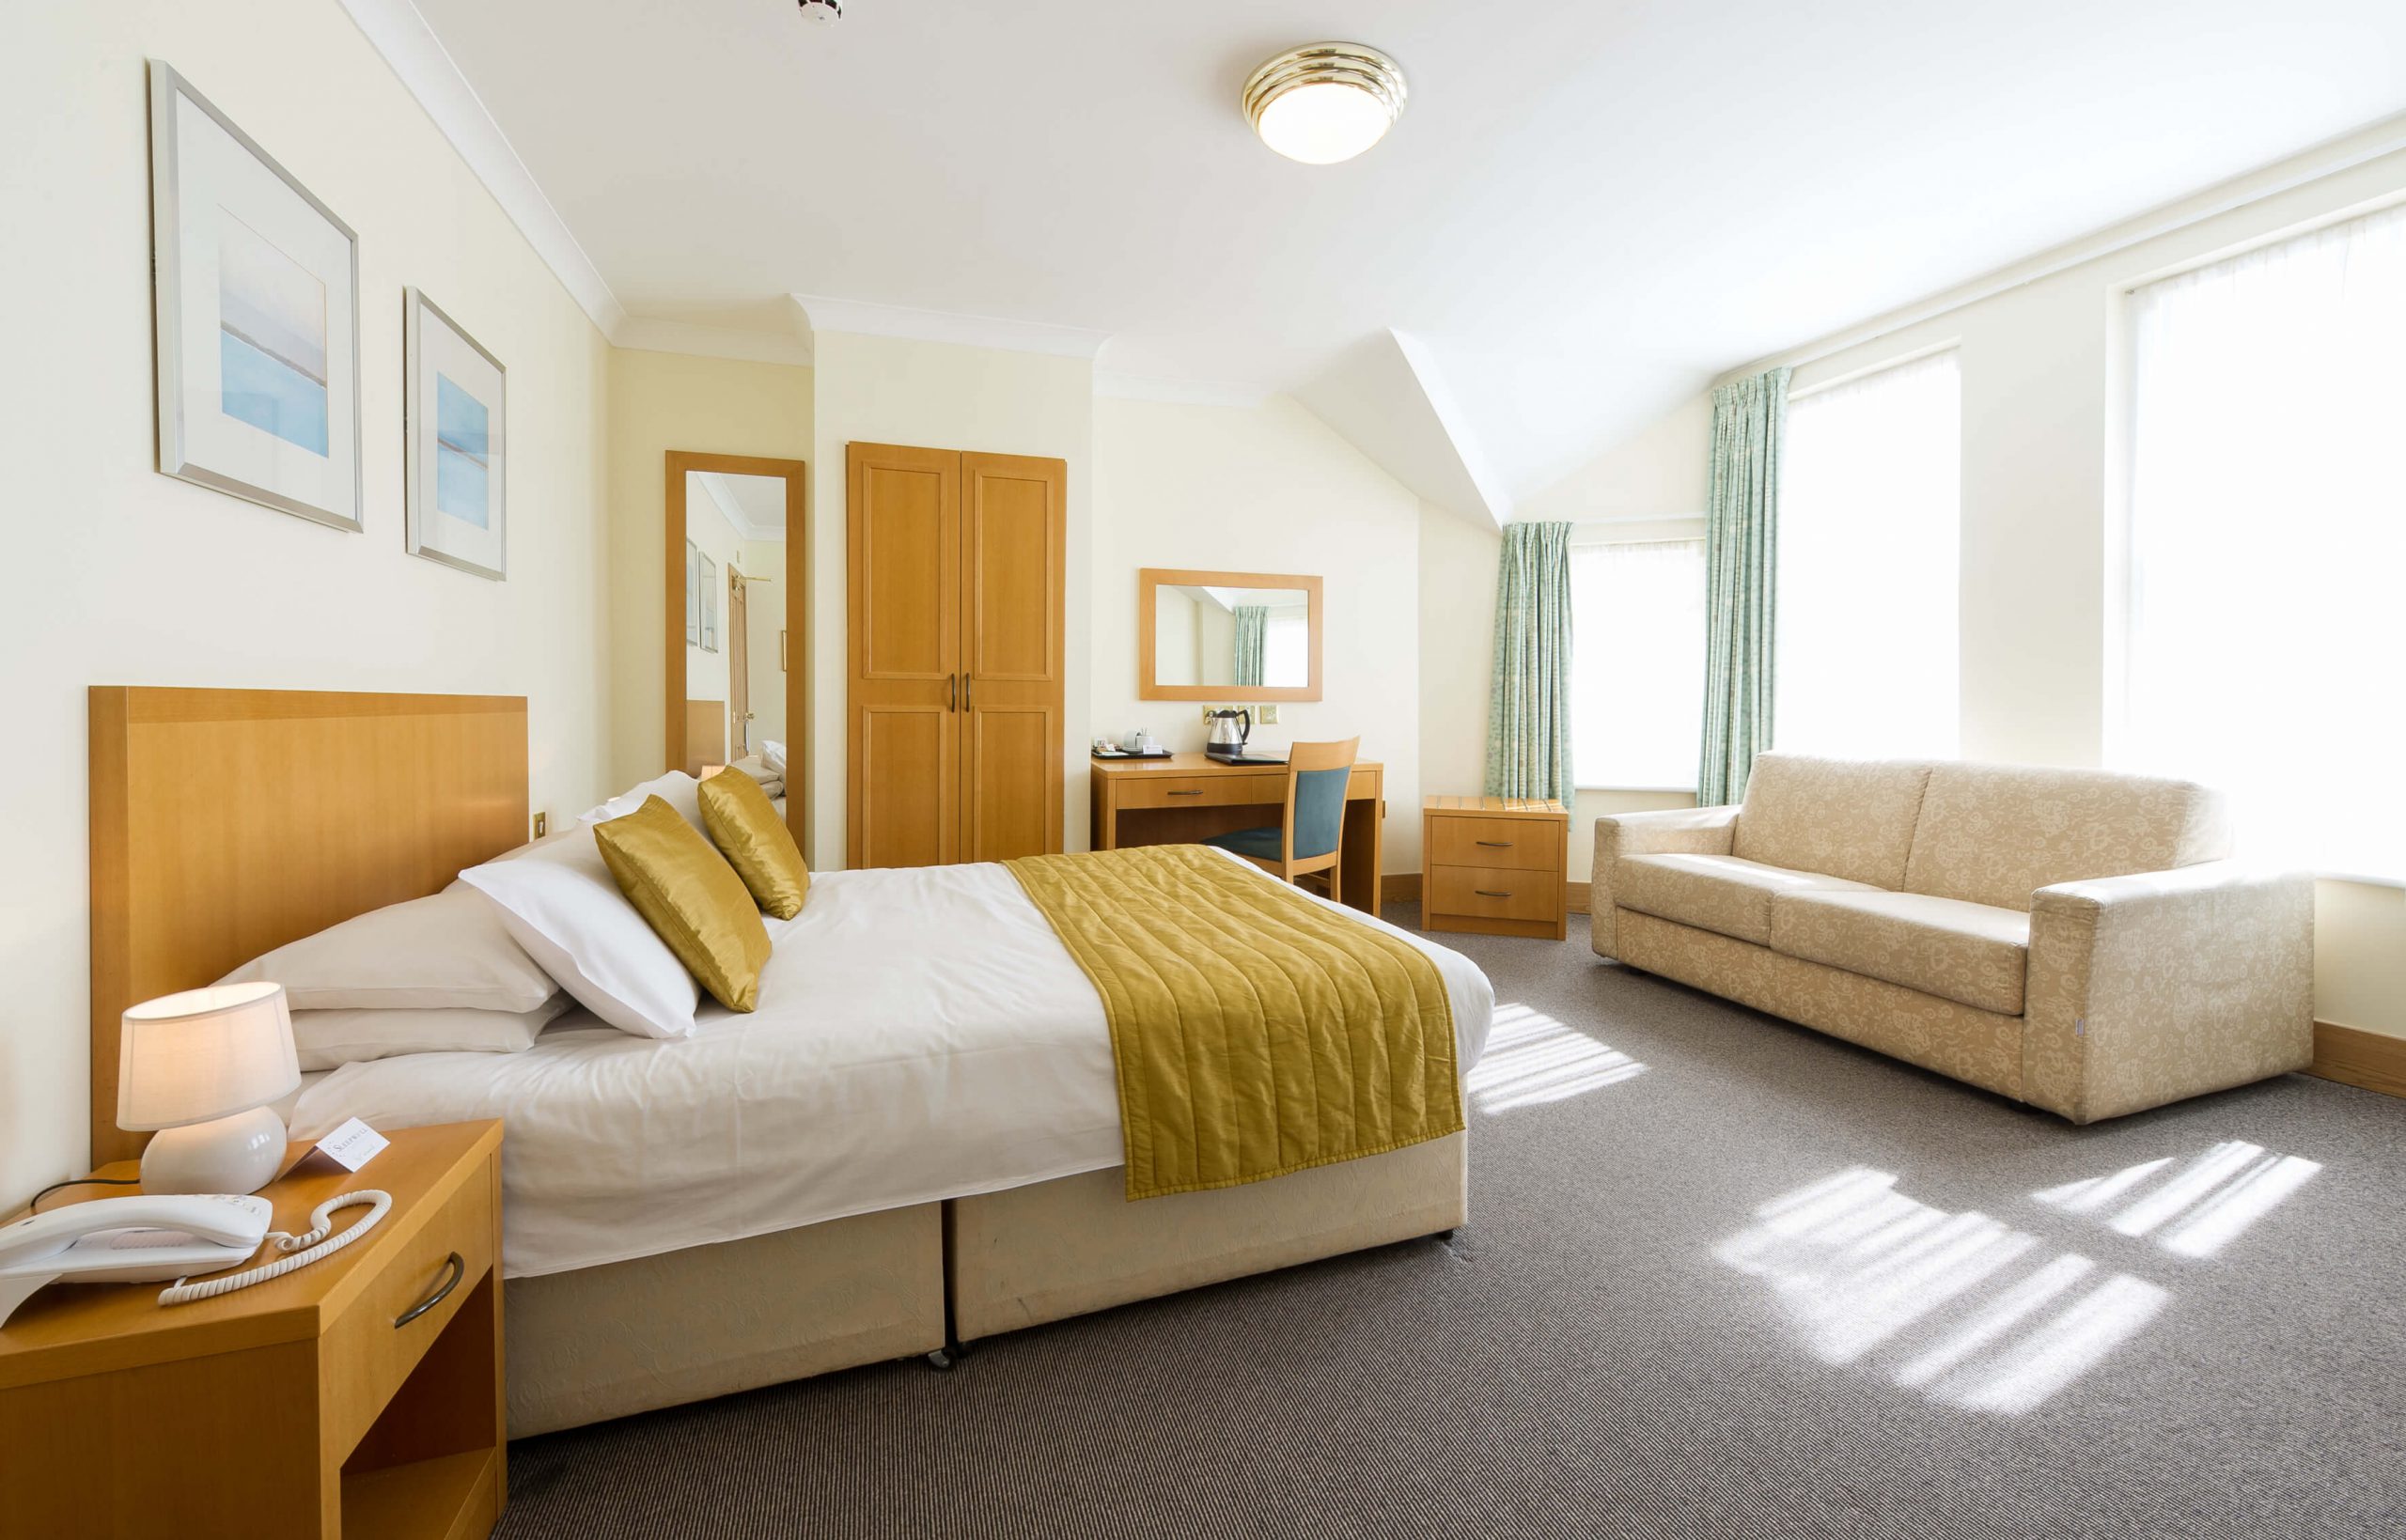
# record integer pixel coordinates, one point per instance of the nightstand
(358, 1396)
(1493, 866)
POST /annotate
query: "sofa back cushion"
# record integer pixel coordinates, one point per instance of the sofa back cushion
(1997, 834)
(1842, 817)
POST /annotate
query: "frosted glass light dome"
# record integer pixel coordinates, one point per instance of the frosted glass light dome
(1325, 102)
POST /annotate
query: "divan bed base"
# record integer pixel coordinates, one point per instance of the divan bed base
(605, 1341)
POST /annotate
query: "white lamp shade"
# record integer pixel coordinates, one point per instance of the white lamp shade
(204, 1054)
(1324, 123)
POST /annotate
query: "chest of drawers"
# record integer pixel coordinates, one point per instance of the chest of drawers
(1493, 866)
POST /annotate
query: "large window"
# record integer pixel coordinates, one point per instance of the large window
(1866, 612)
(1638, 664)
(2268, 541)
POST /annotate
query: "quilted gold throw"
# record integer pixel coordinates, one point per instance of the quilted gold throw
(1256, 1031)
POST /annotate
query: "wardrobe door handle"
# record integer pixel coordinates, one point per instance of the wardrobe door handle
(968, 690)
(952, 691)
(458, 1269)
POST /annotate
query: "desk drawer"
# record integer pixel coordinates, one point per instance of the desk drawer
(1203, 790)
(365, 1357)
(1520, 844)
(1495, 892)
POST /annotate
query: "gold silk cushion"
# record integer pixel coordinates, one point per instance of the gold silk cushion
(691, 897)
(744, 826)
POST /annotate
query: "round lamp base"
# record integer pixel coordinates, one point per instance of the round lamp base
(237, 1155)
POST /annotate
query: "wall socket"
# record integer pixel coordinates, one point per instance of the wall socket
(542, 822)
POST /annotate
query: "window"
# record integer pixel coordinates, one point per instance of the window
(1638, 664)
(1286, 648)
(2268, 532)
(1867, 615)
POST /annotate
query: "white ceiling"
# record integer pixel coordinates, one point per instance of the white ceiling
(754, 505)
(1588, 208)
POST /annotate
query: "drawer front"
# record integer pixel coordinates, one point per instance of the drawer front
(1496, 892)
(1203, 790)
(1523, 844)
(365, 1357)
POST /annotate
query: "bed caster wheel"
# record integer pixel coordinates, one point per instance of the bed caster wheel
(942, 1361)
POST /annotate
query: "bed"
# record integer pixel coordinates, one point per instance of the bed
(860, 1169)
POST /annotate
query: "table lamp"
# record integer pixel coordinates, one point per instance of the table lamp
(200, 1068)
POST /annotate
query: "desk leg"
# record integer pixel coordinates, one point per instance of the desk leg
(1362, 851)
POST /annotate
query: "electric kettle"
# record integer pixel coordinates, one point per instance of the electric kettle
(1229, 729)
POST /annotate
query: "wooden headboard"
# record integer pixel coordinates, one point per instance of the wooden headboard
(228, 822)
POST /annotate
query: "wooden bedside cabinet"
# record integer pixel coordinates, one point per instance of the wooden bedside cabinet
(1494, 865)
(360, 1395)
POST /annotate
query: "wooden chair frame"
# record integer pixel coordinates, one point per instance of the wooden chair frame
(1302, 758)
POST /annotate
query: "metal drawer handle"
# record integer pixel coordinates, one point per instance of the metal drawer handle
(952, 691)
(459, 1270)
(1197, 793)
(1490, 893)
(1496, 844)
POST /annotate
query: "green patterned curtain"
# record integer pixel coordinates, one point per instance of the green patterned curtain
(1252, 624)
(1529, 714)
(1741, 570)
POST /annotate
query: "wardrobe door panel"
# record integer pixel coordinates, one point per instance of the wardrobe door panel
(1014, 537)
(905, 612)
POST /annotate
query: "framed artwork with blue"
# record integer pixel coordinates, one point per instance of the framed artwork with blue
(256, 301)
(456, 443)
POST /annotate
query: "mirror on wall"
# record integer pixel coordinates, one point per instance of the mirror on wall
(735, 562)
(1228, 636)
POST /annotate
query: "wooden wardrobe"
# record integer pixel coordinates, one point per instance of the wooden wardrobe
(957, 594)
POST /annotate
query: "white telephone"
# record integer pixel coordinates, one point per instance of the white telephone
(132, 1240)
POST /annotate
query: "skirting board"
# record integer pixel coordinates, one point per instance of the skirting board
(1404, 888)
(2354, 1056)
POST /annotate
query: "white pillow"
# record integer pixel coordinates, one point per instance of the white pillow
(773, 754)
(565, 909)
(331, 1040)
(445, 952)
(756, 768)
(677, 789)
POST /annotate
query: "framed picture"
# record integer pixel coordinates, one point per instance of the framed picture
(256, 299)
(693, 595)
(710, 605)
(456, 442)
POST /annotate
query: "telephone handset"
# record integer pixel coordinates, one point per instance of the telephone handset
(131, 1240)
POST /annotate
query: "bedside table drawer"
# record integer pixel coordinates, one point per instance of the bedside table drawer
(1523, 844)
(1495, 892)
(366, 1355)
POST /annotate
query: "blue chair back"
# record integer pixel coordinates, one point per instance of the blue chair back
(1320, 811)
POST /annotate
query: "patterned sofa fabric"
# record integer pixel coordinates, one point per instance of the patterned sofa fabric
(1972, 954)
(1997, 834)
(1703, 830)
(1721, 894)
(1845, 817)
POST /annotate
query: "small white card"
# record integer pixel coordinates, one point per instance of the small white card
(353, 1145)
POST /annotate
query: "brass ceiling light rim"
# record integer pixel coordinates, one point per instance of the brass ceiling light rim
(1366, 69)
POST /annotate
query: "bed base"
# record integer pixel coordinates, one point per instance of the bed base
(607, 1341)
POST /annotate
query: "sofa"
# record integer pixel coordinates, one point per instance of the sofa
(2078, 941)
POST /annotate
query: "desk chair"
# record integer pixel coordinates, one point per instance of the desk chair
(1311, 834)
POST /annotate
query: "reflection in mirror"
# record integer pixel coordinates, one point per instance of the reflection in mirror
(1210, 635)
(736, 631)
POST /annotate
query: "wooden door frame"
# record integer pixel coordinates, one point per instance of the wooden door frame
(739, 659)
(796, 476)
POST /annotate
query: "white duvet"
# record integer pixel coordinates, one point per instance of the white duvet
(921, 1035)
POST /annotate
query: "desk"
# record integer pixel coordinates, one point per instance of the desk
(1190, 797)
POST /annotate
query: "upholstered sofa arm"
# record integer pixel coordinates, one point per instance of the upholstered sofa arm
(1687, 830)
(2148, 988)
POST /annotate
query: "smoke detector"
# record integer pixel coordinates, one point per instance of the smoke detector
(822, 11)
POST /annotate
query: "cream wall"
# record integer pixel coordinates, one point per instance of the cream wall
(766, 607)
(659, 402)
(1456, 643)
(118, 575)
(940, 395)
(706, 671)
(1266, 488)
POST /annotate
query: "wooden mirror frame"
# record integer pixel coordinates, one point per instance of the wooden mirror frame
(795, 474)
(1150, 579)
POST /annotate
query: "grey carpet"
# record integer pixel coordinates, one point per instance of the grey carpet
(1632, 1337)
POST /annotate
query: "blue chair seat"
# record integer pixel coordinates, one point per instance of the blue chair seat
(1249, 842)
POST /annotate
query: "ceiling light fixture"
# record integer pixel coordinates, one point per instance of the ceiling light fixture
(822, 11)
(1324, 102)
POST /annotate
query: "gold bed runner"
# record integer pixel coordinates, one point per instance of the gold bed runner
(1256, 1033)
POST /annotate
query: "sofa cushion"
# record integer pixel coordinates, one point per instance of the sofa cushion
(1844, 817)
(1997, 834)
(1975, 954)
(1724, 895)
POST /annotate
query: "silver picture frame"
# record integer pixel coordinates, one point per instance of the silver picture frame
(193, 445)
(442, 467)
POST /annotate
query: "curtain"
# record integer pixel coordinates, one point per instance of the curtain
(2268, 533)
(1529, 714)
(1871, 509)
(1253, 623)
(1740, 560)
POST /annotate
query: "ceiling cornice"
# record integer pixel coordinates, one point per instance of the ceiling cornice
(650, 333)
(744, 528)
(893, 320)
(428, 70)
